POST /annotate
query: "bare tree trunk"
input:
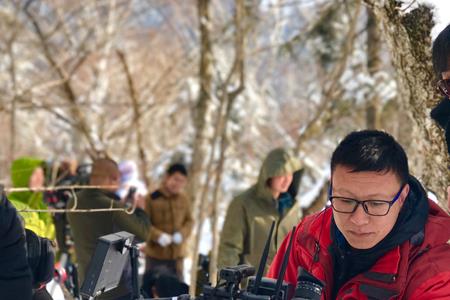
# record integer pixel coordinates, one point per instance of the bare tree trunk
(374, 66)
(226, 103)
(408, 37)
(229, 98)
(202, 106)
(12, 133)
(203, 207)
(12, 70)
(215, 199)
(199, 118)
(136, 119)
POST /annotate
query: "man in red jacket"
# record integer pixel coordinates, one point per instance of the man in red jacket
(381, 238)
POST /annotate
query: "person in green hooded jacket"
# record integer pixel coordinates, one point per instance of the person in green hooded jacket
(28, 172)
(250, 214)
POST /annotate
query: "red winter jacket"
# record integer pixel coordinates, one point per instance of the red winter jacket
(408, 271)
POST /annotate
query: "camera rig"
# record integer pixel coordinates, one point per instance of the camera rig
(113, 249)
(261, 288)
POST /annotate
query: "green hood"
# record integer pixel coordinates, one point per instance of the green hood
(277, 163)
(21, 171)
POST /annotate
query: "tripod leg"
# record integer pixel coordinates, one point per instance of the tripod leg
(134, 254)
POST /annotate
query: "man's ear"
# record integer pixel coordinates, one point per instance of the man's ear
(404, 193)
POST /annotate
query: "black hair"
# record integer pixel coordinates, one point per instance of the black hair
(177, 167)
(441, 51)
(371, 150)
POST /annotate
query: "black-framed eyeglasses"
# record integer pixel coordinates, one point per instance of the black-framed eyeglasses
(371, 207)
(443, 86)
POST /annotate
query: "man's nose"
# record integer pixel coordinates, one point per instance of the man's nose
(359, 216)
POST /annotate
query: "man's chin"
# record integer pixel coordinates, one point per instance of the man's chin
(361, 241)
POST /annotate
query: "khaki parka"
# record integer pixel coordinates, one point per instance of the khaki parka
(250, 215)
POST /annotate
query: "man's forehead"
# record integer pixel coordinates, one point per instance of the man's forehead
(177, 175)
(378, 194)
(365, 183)
(351, 173)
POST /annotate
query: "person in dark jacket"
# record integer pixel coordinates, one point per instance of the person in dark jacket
(88, 227)
(441, 65)
(15, 275)
(381, 238)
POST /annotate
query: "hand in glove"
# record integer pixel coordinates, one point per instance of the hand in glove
(165, 240)
(177, 238)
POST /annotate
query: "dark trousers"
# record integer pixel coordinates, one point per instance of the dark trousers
(167, 266)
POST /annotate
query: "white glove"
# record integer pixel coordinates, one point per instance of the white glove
(177, 238)
(165, 240)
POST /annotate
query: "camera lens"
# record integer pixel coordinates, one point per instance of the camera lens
(308, 286)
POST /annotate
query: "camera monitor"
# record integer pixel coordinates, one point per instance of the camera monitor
(107, 264)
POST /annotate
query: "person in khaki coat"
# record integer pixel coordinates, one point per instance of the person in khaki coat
(250, 214)
(170, 213)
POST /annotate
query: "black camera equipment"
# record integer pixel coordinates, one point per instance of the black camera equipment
(130, 197)
(112, 251)
(308, 286)
(105, 270)
(261, 288)
(228, 285)
(202, 273)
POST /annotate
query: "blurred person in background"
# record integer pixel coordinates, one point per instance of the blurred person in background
(28, 172)
(250, 214)
(131, 187)
(441, 66)
(169, 210)
(88, 227)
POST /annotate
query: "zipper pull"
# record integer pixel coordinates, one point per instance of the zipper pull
(316, 252)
